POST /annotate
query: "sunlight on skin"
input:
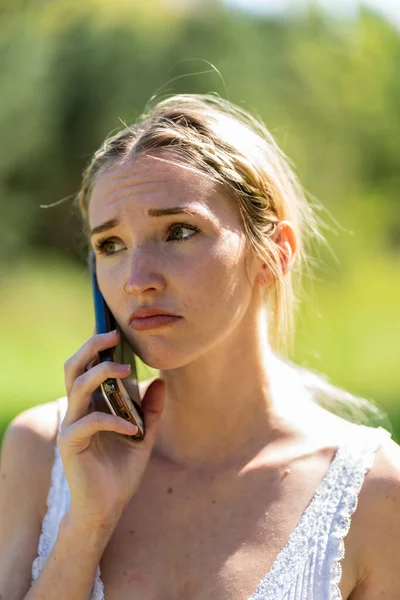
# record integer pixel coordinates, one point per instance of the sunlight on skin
(212, 283)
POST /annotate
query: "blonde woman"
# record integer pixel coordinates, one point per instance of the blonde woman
(245, 486)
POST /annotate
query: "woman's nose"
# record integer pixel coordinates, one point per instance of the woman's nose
(143, 276)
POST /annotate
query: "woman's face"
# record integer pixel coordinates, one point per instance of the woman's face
(191, 264)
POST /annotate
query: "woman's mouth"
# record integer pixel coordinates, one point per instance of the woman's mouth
(152, 317)
(153, 322)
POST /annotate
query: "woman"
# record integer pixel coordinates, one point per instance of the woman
(244, 487)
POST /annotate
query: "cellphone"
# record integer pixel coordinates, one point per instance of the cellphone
(120, 402)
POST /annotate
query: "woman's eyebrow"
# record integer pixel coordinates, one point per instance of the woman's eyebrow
(174, 210)
(154, 212)
(104, 226)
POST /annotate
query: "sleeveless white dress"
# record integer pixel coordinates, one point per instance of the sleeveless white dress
(308, 567)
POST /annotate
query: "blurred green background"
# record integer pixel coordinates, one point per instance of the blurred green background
(327, 87)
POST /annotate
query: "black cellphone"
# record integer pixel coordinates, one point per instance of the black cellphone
(114, 391)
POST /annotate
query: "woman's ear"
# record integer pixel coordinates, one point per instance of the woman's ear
(285, 239)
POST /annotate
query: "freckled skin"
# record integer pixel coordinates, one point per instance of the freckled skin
(214, 360)
(197, 279)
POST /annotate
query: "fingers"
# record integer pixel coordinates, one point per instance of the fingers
(84, 373)
(77, 436)
(83, 387)
(78, 363)
(92, 363)
(96, 360)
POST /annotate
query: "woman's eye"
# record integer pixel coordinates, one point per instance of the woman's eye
(104, 246)
(175, 231)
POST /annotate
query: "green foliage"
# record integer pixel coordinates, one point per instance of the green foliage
(329, 91)
(71, 71)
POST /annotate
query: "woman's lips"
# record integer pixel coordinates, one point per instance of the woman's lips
(143, 323)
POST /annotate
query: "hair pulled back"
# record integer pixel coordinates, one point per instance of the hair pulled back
(231, 147)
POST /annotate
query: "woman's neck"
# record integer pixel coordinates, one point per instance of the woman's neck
(226, 406)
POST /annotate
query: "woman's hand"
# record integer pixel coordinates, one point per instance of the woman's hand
(103, 466)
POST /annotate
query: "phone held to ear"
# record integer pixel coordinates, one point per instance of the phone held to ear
(121, 403)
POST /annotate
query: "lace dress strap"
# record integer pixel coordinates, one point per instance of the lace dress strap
(308, 568)
(57, 503)
(357, 461)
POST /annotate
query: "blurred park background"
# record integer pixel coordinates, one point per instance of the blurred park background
(326, 84)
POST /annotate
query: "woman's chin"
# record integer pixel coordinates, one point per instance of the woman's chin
(163, 363)
(164, 359)
(164, 354)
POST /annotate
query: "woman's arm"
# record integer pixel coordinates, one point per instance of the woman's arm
(26, 461)
(70, 570)
(380, 513)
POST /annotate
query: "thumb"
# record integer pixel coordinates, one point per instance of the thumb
(153, 406)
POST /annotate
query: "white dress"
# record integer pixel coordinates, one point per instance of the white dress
(308, 567)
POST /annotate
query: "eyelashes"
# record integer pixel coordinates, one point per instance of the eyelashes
(102, 243)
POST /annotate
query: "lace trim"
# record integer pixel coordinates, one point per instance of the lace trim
(50, 520)
(342, 519)
(341, 484)
(348, 465)
(98, 587)
(57, 504)
(277, 582)
(290, 560)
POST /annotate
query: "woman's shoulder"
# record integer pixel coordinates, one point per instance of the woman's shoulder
(377, 519)
(380, 496)
(372, 544)
(33, 433)
(27, 454)
(34, 429)
(37, 423)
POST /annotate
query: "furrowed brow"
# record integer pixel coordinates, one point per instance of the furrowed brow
(104, 226)
(152, 212)
(174, 210)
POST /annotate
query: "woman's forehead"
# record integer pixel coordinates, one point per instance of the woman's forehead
(157, 180)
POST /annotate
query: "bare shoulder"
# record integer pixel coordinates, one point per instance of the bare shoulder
(27, 455)
(35, 428)
(378, 519)
(28, 448)
(380, 494)
(41, 419)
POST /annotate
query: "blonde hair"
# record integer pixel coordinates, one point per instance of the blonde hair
(233, 148)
